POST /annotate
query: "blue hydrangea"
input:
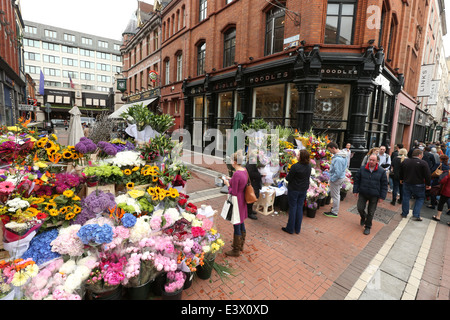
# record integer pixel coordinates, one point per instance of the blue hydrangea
(128, 220)
(96, 233)
(40, 249)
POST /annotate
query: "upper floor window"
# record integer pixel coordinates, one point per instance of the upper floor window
(167, 65)
(50, 33)
(29, 29)
(180, 67)
(87, 41)
(203, 9)
(69, 37)
(339, 24)
(201, 55)
(102, 44)
(274, 31)
(229, 47)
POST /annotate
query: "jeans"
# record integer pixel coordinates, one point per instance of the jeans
(335, 192)
(239, 228)
(296, 201)
(397, 189)
(416, 190)
(361, 205)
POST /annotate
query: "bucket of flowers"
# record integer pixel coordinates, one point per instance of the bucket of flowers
(14, 274)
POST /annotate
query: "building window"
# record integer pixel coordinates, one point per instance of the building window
(70, 62)
(50, 33)
(274, 31)
(50, 46)
(180, 67)
(32, 56)
(167, 75)
(102, 44)
(69, 37)
(339, 24)
(392, 40)
(203, 9)
(31, 43)
(51, 59)
(32, 30)
(229, 47)
(71, 50)
(155, 40)
(87, 41)
(201, 54)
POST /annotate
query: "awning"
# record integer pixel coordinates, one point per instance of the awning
(116, 114)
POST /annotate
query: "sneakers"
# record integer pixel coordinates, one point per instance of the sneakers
(330, 214)
(366, 231)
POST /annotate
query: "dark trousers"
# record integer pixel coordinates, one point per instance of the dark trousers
(296, 201)
(239, 228)
(361, 205)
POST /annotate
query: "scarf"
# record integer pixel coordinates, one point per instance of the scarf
(375, 169)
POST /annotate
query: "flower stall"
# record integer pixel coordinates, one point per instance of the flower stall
(95, 221)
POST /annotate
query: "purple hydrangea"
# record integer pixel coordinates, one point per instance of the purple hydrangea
(85, 146)
(96, 202)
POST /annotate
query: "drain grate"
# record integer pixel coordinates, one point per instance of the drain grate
(381, 214)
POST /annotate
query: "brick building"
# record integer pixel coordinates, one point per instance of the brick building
(12, 76)
(345, 67)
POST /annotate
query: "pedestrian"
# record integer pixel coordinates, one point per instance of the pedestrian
(447, 148)
(444, 195)
(349, 153)
(256, 182)
(416, 178)
(370, 186)
(385, 162)
(375, 150)
(436, 157)
(413, 147)
(443, 164)
(337, 176)
(394, 154)
(236, 187)
(298, 184)
(429, 158)
(397, 186)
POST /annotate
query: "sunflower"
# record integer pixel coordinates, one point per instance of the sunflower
(174, 193)
(76, 198)
(51, 151)
(127, 172)
(135, 169)
(53, 212)
(63, 210)
(76, 209)
(68, 193)
(70, 216)
(67, 154)
(50, 206)
(38, 200)
(32, 211)
(130, 185)
(155, 178)
(42, 142)
(75, 156)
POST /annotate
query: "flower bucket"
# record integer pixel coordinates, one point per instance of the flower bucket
(157, 285)
(188, 281)
(139, 292)
(172, 295)
(204, 272)
(9, 296)
(343, 194)
(311, 213)
(328, 199)
(113, 294)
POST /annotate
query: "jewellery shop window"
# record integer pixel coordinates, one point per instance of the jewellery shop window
(268, 104)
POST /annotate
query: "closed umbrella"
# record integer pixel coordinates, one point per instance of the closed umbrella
(232, 145)
(75, 128)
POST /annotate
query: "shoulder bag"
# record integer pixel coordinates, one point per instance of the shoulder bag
(250, 196)
(436, 173)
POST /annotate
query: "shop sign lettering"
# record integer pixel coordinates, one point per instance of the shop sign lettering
(268, 77)
(339, 72)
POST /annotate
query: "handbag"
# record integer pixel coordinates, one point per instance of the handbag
(230, 210)
(250, 196)
(436, 173)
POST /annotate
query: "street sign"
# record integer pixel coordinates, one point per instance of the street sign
(48, 108)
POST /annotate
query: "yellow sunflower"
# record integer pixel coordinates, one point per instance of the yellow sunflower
(130, 185)
(63, 210)
(75, 156)
(50, 206)
(67, 154)
(76, 209)
(53, 212)
(70, 216)
(42, 142)
(76, 198)
(38, 200)
(127, 172)
(68, 193)
(135, 169)
(174, 193)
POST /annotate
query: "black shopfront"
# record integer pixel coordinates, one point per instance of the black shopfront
(330, 93)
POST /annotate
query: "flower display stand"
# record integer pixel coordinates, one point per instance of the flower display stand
(111, 188)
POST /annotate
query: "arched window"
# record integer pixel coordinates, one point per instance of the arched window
(229, 47)
(201, 55)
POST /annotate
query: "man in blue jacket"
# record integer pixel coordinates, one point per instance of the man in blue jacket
(371, 184)
(337, 176)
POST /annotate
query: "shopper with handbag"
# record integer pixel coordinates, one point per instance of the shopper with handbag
(442, 167)
(256, 182)
(298, 184)
(236, 187)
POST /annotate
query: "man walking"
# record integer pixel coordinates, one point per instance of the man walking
(384, 161)
(370, 185)
(337, 175)
(416, 178)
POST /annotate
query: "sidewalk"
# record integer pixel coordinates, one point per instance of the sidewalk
(331, 259)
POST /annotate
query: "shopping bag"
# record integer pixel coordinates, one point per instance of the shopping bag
(227, 209)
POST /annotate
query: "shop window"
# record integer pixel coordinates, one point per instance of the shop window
(229, 47)
(274, 31)
(340, 22)
(268, 104)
